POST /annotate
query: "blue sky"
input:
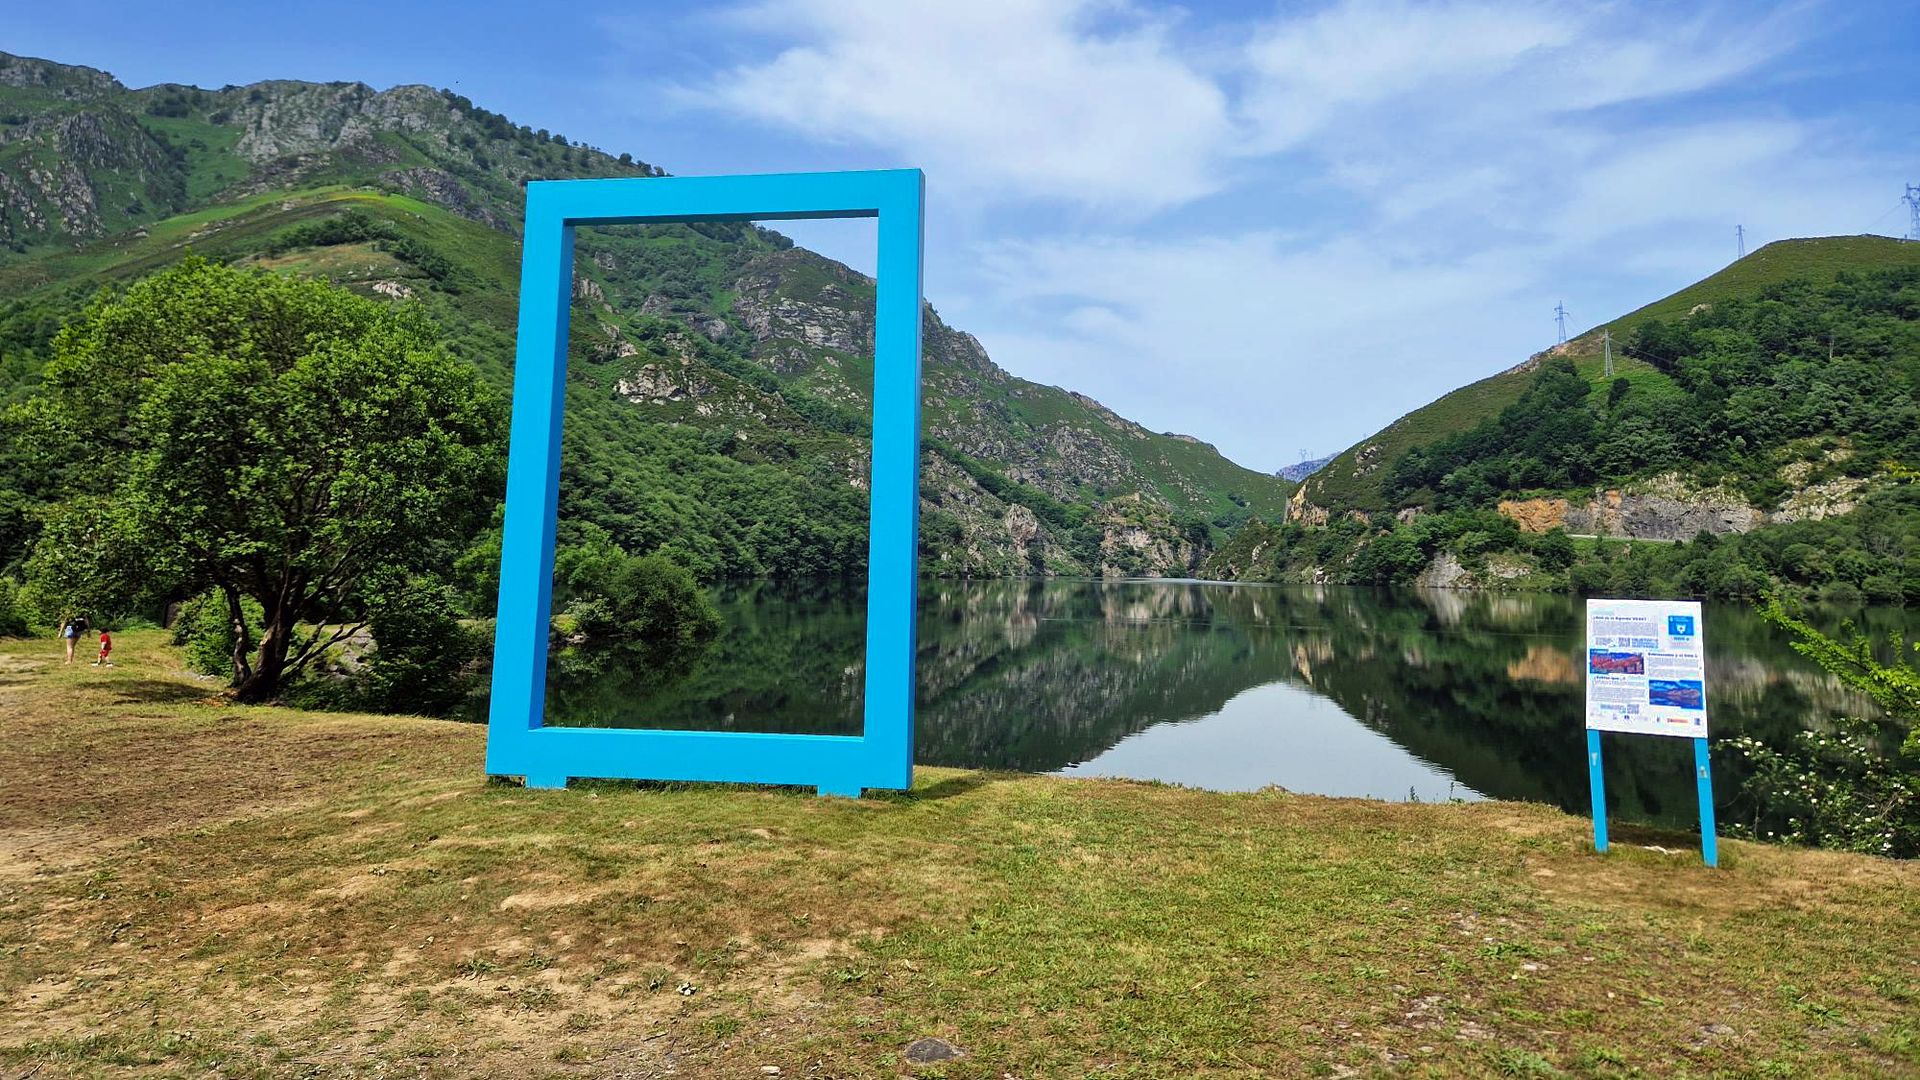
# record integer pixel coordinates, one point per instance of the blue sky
(1276, 226)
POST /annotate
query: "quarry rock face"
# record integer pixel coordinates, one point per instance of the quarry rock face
(1667, 507)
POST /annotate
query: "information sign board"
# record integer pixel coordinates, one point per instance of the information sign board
(1647, 675)
(1646, 667)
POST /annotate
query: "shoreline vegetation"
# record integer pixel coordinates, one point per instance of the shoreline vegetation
(188, 885)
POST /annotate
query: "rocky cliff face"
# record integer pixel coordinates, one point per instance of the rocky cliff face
(1668, 507)
(76, 174)
(84, 156)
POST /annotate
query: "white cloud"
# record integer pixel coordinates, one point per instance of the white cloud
(1257, 342)
(1308, 71)
(1049, 99)
(1435, 73)
(1399, 192)
(1282, 340)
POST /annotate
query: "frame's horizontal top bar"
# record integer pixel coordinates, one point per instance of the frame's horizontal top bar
(771, 197)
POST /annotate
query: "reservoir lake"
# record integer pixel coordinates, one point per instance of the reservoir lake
(1416, 694)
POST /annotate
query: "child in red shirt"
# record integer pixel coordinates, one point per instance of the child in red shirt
(106, 649)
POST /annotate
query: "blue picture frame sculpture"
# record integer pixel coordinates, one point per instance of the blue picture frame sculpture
(518, 741)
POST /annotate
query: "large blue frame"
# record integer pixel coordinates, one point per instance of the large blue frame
(518, 742)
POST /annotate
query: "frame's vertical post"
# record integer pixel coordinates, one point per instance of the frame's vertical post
(1598, 784)
(894, 490)
(533, 488)
(1703, 771)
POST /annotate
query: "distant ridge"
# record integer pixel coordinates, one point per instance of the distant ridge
(1302, 470)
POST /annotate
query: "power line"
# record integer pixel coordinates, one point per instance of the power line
(1560, 319)
(1883, 215)
(1912, 199)
(1740, 235)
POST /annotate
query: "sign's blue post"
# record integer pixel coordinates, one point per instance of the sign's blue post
(1647, 675)
(1703, 770)
(1598, 784)
(518, 741)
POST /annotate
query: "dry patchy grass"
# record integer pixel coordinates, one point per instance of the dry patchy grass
(188, 888)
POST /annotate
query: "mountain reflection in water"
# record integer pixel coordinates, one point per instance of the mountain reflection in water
(1430, 694)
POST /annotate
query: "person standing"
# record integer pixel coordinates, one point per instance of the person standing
(106, 649)
(72, 631)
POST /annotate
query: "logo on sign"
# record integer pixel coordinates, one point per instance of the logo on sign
(1680, 626)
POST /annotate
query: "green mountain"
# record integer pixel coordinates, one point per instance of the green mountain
(1761, 425)
(720, 376)
(1354, 479)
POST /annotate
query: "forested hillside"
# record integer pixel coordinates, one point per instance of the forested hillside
(1758, 428)
(1353, 479)
(719, 381)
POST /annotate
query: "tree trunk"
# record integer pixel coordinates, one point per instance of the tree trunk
(269, 665)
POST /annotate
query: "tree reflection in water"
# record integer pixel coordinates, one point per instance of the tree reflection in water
(1041, 675)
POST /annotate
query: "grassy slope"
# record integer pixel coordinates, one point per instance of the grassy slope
(1189, 475)
(1343, 485)
(187, 887)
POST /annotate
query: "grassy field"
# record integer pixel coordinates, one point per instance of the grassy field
(189, 888)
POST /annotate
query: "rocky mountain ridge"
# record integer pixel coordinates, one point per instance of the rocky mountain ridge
(726, 330)
(1302, 469)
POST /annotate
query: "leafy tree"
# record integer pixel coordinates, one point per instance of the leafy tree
(645, 612)
(262, 436)
(86, 555)
(1554, 549)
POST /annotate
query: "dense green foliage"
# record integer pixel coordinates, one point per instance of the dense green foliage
(1856, 787)
(425, 659)
(1750, 385)
(13, 609)
(209, 634)
(261, 436)
(643, 614)
(1543, 440)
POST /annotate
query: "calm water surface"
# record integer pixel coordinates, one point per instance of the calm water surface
(1340, 691)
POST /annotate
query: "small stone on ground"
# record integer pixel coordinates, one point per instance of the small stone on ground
(926, 1051)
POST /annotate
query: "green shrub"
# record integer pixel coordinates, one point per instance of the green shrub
(423, 659)
(1856, 788)
(643, 611)
(204, 627)
(1839, 789)
(13, 609)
